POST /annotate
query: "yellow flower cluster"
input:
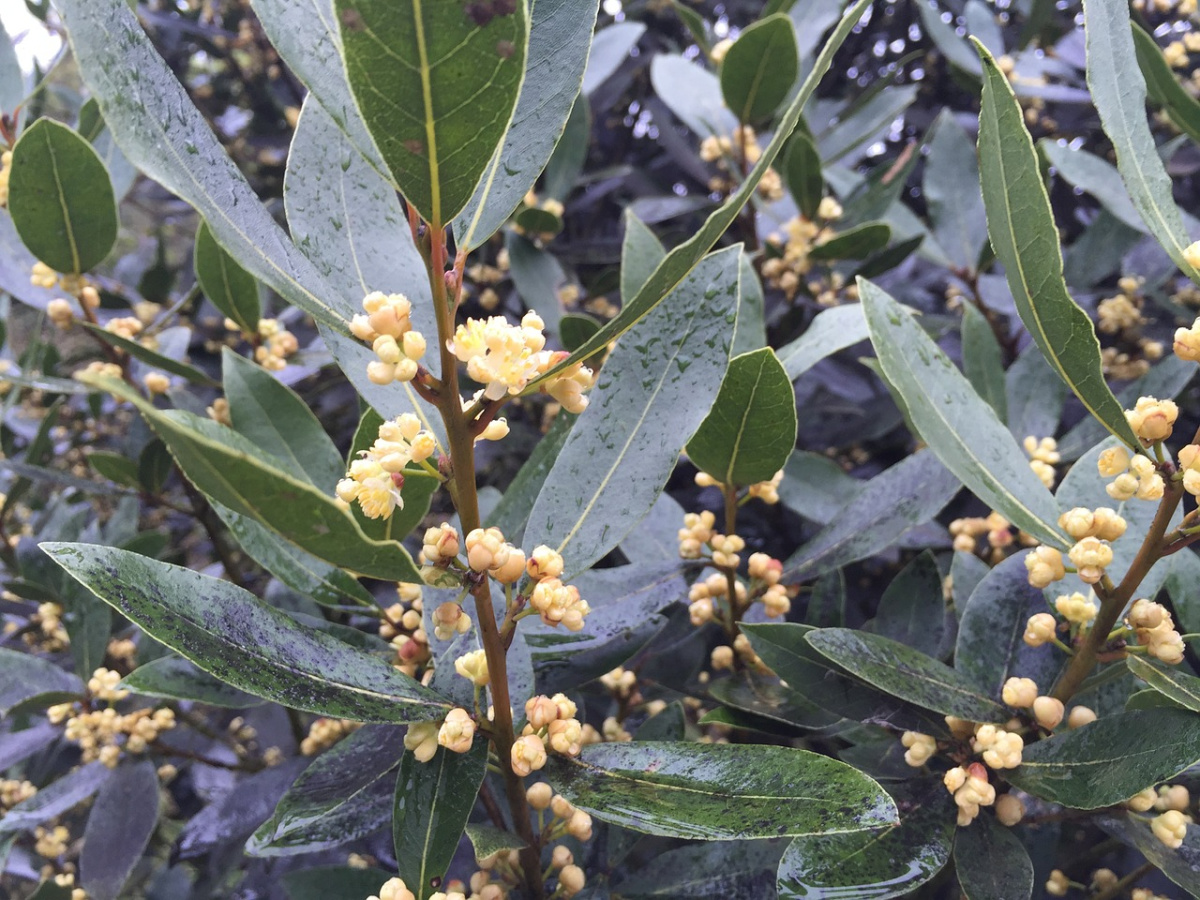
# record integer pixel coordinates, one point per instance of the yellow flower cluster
(1045, 566)
(697, 531)
(387, 325)
(727, 150)
(568, 819)
(13, 792)
(103, 733)
(1189, 464)
(766, 491)
(456, 733)
(1136, 475)
(324, 733)
(473, 666)
(971, 791)
(1171, 827)
(376, 478)
(549, 723)
(1155, 630)
(1000, 749)
(403, 627)
(1187, 342)
(487, 551)
(1043, 457)
(1152, 419)
(919, 748)
(276, 344)
(559, 604)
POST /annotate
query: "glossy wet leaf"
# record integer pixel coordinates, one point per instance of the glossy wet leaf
(742, 869)
(512, 512)
(177, 678)
(56, 798)
(983, 360)
(830, 330)
(246, 643)
(575, 328)
(538, 276)
(802, 172)
(991, 862)
(650, 398)
(684, 258)
(487, 840)
(769, 700)
(433, 802)
(912, 610)
(951, 188)
(751, 429)
(346, 794)
(164, 136)
(856, 242)
(891, 862)
(641, 253)
(720, 791)
(906, 673)
(1119, 93)
(60, 198)
(990, 647)
(908, 494)
(1026, 241)
(243, 478)
(956, 423)
(1180, 864)
(1111, 759)
(1034, 396)
(25, 678)
(227, 820)
(1163, 87)
(1093, 175)
(436, 86)
(560, 33)
(1179, 687)
(760, 68)
(610, 49)
(119, 828)
(229, 287)
(333, 883)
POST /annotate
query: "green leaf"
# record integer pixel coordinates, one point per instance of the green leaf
(991, 862)
(983, 360)
(750, 331)
(537, 275)
(25, 678)
(641, 254)
(12, 78)
(682, 259)
(769, 703)
(119, 827)
(861, 122)
(991, 647)
(60, 198)
(910, 493)
(1095, 176)
(272, 416)
(912, 610)
(951, 188)
(232, 471)
(1119, 93)
(575, 328)
(1180, 864)
(560, 33)
(802, 173)
(891, 862)
(742, 869)
(1163, 87)
(947, 40)
(1110, 759)
(1179, 687)
(829, 331)
(651, 396)
(751, 429)
(511, 514)
(56, 798)
(229, 287)
(906, 673)
(958, 426)
(1034, 396)
(433, 802)
(246, 643)
(178, 679)
(163, 135)
(857, 242)
(115, 467)
(609, 50)
(346, 794)
(1026, 241)
(333, 883)
(437, 84)
(150, 357)
(720, 791)
(487, 841)
(760, 68)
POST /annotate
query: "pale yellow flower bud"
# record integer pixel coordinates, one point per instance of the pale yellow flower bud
(539, 795)
(1020, 692)
(1009, 810)
(473, 666)
(1170, 828)
(1048, 711)
(920, 748)
(579, 826)
(1123, 487)
(395, 889)
(566, 736)
(1143, 800)
(540, 712)
(528, 754)
(572, 880)
(1057, 884)
(458, 731)
(1151, 419)
(1040, 629)
(1187, 342)
(1113, 461)
(1077, 522)
(421, 740)
(1080, 716)
(544, 563)
(1045, 566)
(1076, 608)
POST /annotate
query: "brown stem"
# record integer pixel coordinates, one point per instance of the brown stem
(1113, 602)
(1118, 889)
(729, 492)
(466, 501)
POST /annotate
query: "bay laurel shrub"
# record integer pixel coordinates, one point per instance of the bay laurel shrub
(251, 654)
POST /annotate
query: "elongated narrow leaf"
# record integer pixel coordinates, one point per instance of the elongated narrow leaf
(610, 49)
(436, 84)
(1180, 864)
(512, 512)
(891, 862)
(760, 68)
(119, 828)
(560, 34)
(1111, 759)
(701, 871)
(344, 795)
(150, 357)
(857, 242)
(56, 798)
(751, 429)
(240, 476)
(910, 493)
(60, 198)
(652, 395)
(333, 883)
(162, 133)
(951, 188)
(681, 260)
(229, 287)
(830, 330)
(983, 360)
(1119, 92)
(912, 609)
(1163, 87)
(24, 677)
(246, 643)
(272, 416)
(955, 422)
(1026, 240)
(347, 220)
(720, 791)
(907, 673)
(433, 802)
(1179, 687)
(641, 253)
(178, 679)
(305, 34)
(802, 172)
(991, 863)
